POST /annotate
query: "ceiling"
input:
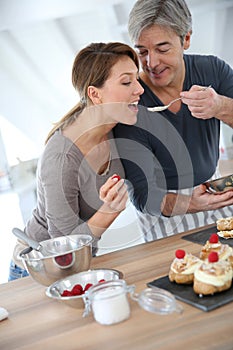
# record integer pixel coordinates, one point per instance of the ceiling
(38, 43)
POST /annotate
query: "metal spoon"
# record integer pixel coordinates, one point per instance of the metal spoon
(162, 108)
(31, 242)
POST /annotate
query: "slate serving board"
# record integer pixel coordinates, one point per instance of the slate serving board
(202, 236)
(186, 294)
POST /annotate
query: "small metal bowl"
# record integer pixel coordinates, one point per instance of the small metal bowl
(91, 276)
(220, 185)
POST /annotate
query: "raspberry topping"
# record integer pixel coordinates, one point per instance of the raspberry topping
(180, 253)
(213, 238)
(213, 257)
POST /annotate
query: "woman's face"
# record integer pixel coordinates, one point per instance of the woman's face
(161, 55)
(121, 92)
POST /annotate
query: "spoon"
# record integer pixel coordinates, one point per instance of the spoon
(162, 108)
(31, 242)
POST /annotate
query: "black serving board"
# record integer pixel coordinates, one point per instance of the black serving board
(203, 235)
(186, 294)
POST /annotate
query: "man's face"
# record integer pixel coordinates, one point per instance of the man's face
(161, 55)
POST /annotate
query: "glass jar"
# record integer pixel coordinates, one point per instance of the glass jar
(109, 302)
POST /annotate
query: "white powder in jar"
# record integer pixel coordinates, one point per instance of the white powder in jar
(110, 306)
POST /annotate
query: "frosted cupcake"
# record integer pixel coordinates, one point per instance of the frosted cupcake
(213, 245)
(212, 276)
(225, 224)
(225, 227)
(183, 266)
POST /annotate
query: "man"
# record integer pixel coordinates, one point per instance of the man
(169, 155)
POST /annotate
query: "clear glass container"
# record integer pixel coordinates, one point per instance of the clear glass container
(109, 302)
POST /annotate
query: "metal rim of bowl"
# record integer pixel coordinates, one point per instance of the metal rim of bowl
(212, 184)
(29, 249)
(61, 298)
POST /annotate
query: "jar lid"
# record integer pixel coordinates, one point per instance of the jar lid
(159, 301)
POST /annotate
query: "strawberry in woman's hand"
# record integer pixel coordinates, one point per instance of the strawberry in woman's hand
(117, 177)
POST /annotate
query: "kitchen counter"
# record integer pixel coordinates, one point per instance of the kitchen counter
(37, 322)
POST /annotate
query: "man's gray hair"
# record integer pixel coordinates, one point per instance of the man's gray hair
(173, 14)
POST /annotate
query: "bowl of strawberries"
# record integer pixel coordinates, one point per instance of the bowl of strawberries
(71, 290)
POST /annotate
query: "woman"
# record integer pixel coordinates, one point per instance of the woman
(78, 190)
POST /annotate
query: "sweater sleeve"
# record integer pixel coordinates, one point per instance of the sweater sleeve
(59, 178)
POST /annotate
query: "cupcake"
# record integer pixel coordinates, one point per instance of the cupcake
(182, 267)
(212, 276)
(225, 234)
(225, 224)
(225, 227)
(213, 245)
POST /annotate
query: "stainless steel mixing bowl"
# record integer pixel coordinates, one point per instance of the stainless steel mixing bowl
(91, 276)
(65, 255)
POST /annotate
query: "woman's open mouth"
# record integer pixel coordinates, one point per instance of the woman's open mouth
(133, 106)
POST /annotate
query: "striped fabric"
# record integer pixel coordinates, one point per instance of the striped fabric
(154, 227)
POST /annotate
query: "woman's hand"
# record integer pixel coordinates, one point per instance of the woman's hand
(114, 194)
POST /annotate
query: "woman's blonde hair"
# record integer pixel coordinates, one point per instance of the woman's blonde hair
(92, 66)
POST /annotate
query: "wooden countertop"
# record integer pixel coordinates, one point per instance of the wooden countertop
(37, 322)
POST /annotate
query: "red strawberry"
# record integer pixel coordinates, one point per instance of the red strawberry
(180, 253)
(66, 293)
(77, 289)
(213, 238)
(213, 257)
(87, 286)
(101, 281)
(116, 177)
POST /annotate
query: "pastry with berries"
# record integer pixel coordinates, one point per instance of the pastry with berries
(225, 224)
(214, 245)
(183, 266)
(212, 276)
(225, 227)
(225, 234)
